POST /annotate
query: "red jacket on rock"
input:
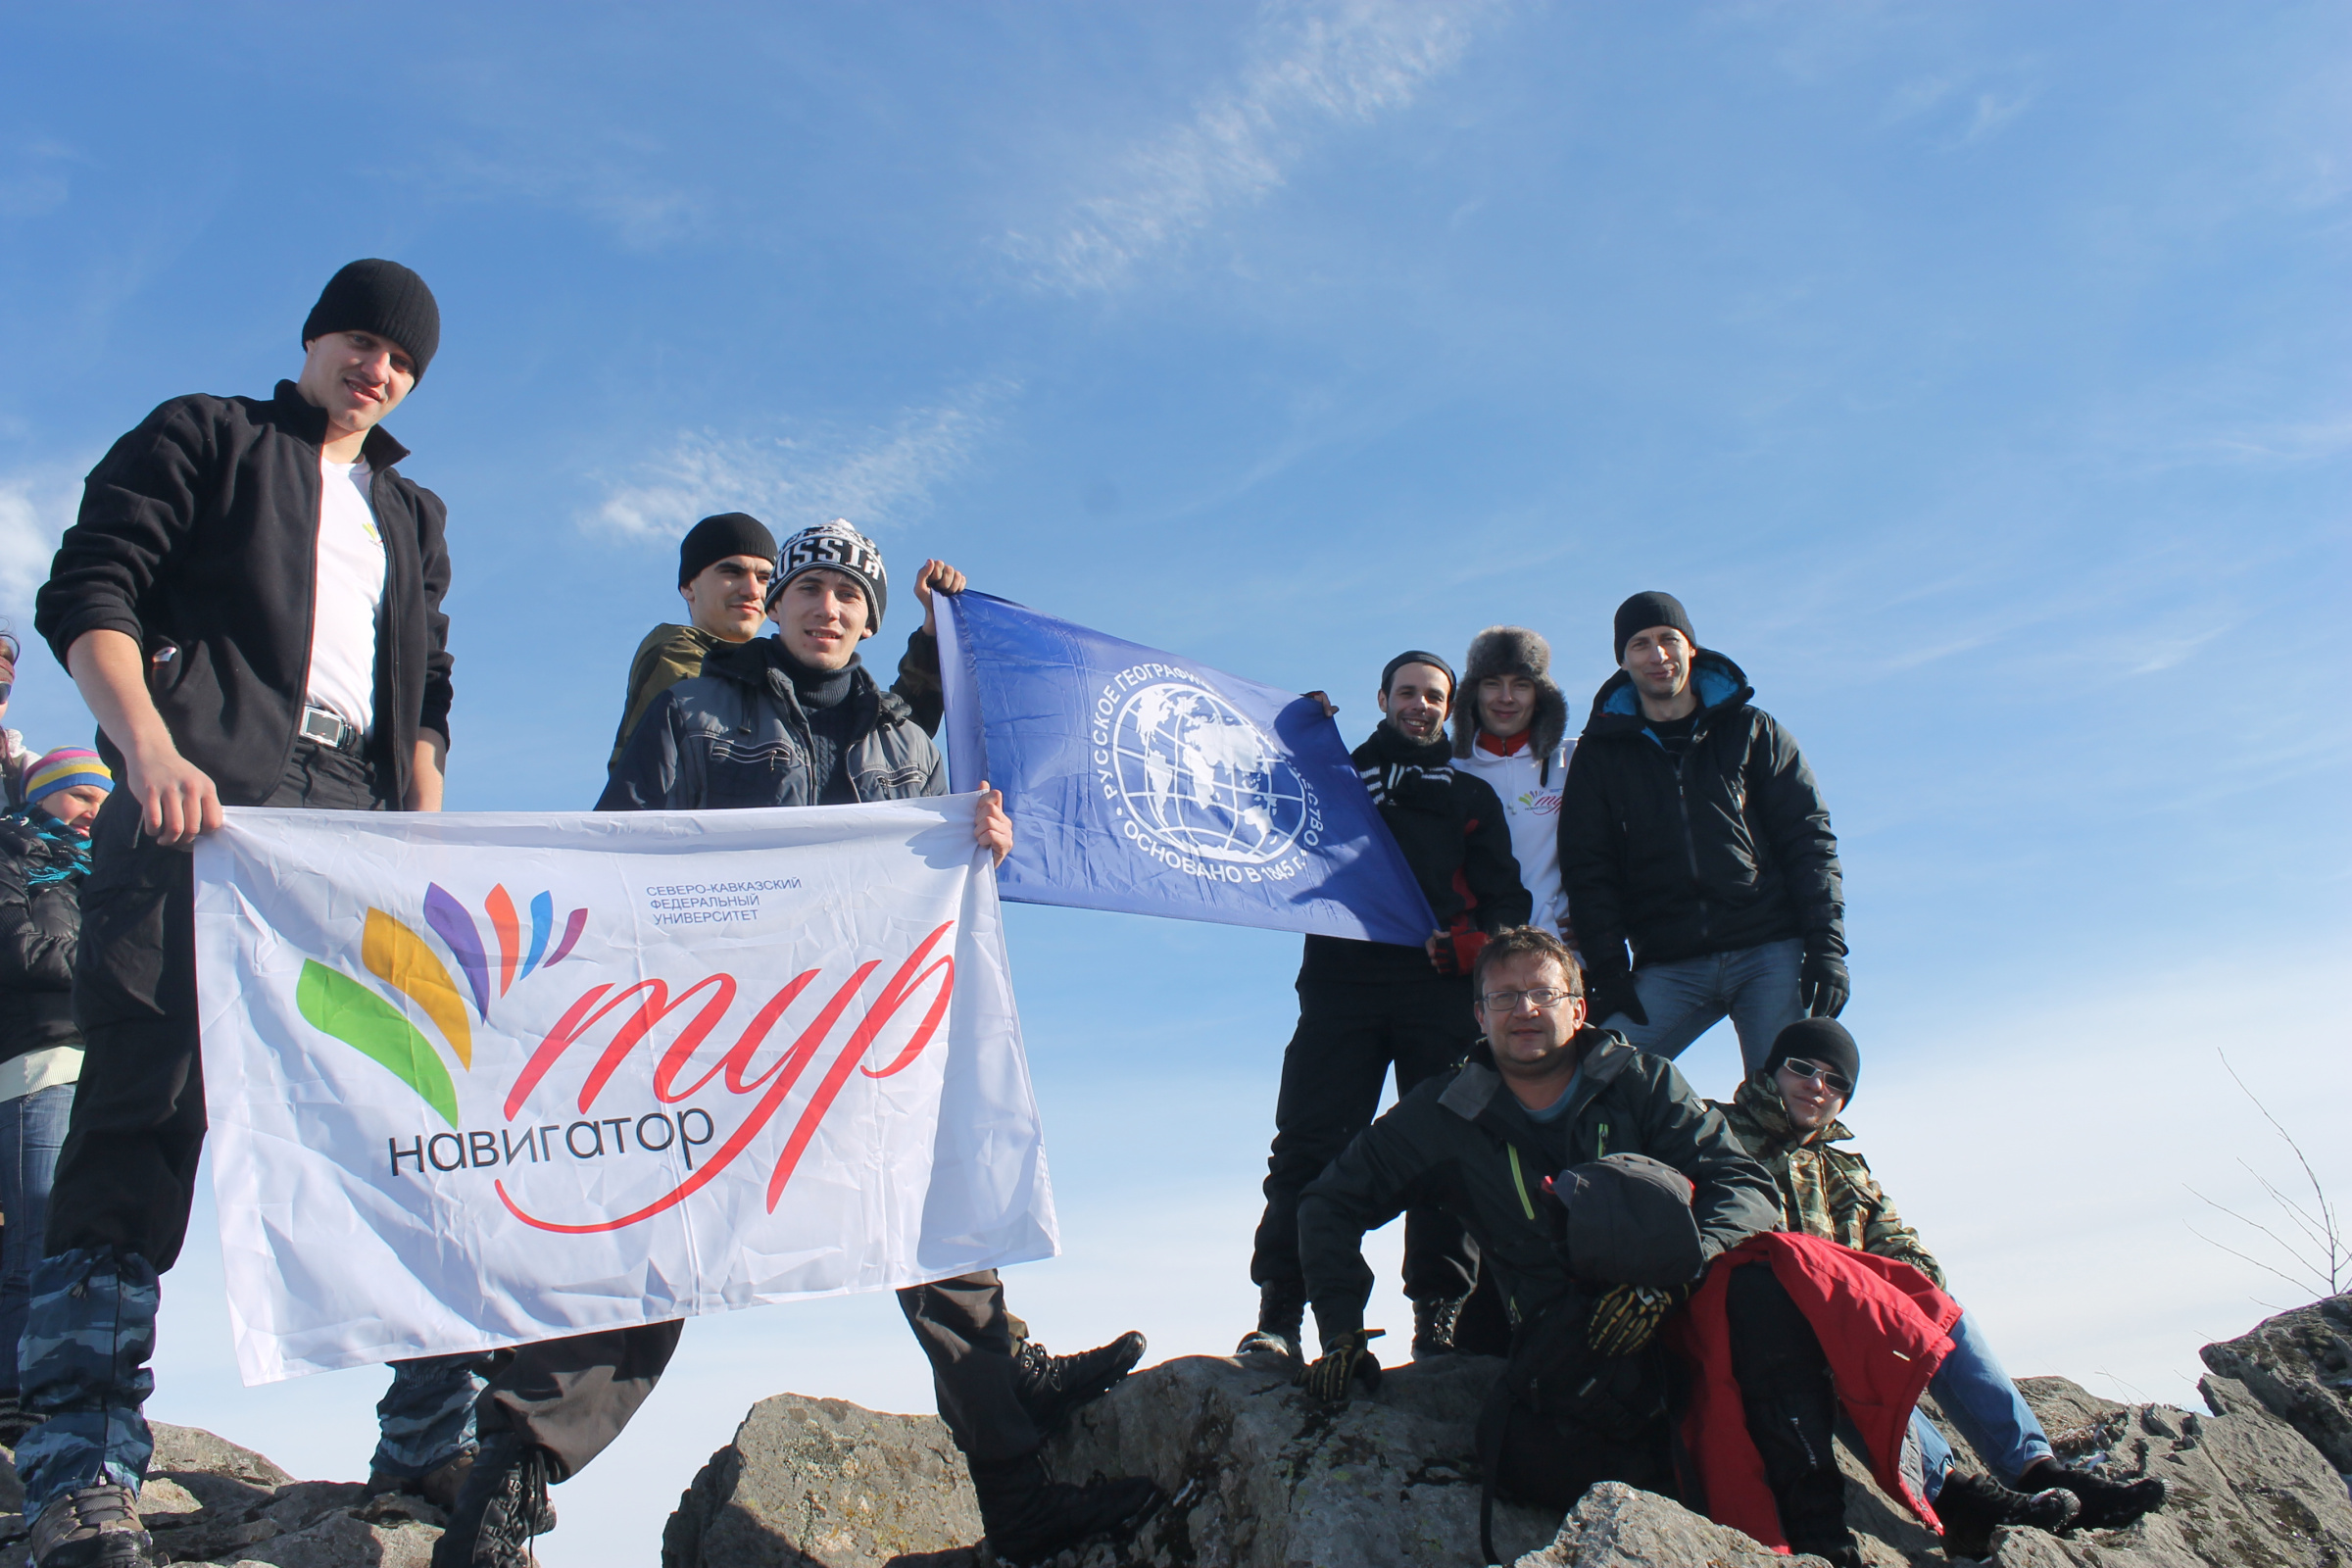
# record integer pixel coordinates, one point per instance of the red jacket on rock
(1886, 1329)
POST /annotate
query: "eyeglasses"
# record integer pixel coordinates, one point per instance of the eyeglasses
(1546, 998)
(1816, 1072)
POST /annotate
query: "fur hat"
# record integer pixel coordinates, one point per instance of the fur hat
(1512, 651)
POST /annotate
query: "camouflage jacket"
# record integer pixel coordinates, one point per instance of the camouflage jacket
(1825, 1192)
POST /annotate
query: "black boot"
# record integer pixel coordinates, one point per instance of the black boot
(1050, 1387)
(498, 1508)
(1280, 1319)
(2106, 1504)
(1973, 1506)
(1433, 1328)
(1792, 1410)
(1029, 1518)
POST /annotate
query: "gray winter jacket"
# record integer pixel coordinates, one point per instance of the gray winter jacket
(736, 736)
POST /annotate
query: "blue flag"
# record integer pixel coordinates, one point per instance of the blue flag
(1145, 782)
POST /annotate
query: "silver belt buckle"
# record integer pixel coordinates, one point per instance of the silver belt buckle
(318, 725)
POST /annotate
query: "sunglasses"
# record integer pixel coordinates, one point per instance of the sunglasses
(1814, 1071)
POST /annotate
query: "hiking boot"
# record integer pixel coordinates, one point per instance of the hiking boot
(1433, 1328)
(1281, 1320)
(1030, 1518)
(92, 1527)
(2106, 1504)
(497, 1509)
(1050, 1387)
(1973, 1506)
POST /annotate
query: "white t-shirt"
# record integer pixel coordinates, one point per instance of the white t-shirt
(350, 585)
(1531, 802)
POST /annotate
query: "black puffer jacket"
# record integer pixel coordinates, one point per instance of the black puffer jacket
(1452, 1140)
(200, 530)
(1731, 848)
(1454, 834)
(736, 736)
(41, 868)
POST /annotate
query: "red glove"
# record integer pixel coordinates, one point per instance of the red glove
(1456, 951)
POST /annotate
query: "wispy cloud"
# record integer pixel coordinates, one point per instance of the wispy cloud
(800, 475)
(1310, 66)
(35, 506)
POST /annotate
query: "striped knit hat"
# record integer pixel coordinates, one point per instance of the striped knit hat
(63, 769)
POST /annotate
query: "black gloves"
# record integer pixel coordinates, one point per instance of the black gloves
(1349, 1358)
(1609, 986)
(1822, 985)
(1625, 1319)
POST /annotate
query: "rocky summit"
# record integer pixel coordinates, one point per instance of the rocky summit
(1263, 1478)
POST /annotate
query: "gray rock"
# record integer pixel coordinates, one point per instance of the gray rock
(2299, 1365)
(1265, 1478)
(1615, 1525)
(823, 1481)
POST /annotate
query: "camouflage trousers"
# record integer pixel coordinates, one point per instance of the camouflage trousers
(425, 1418)
(89, 1331)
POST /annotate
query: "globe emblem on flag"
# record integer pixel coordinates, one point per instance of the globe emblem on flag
(1199, 776)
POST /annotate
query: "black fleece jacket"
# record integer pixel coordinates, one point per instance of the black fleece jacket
(199, 532)
(1729, 848)
(40, 926)
(1451, 1142)
(1450, 826)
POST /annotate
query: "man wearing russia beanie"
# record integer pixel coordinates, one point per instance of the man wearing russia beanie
(250, 602)
(1692, 829)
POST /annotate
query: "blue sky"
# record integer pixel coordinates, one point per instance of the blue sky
(1975, 375)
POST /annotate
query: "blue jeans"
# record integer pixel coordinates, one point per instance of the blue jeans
(1978, 1398)
(33, 1128)
(425, 1418)
(1754, 987)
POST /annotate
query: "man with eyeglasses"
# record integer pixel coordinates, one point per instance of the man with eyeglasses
(1364, 1007)
(1692, 828)
(1544, 1092)
(1786, 1114)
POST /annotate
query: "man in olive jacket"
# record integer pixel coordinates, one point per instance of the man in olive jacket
(250, 604)
(1786, 1114)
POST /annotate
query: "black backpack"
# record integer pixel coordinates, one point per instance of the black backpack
(1562, 1417)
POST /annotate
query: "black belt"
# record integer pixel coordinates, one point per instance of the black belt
(323, 728)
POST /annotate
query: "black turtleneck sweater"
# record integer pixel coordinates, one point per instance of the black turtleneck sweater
(1450, 826)
(832, 720)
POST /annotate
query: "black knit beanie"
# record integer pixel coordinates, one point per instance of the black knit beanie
(1651, 609)
(1822, 1040)
(380, 297)
(714, 539)
(1416, 655)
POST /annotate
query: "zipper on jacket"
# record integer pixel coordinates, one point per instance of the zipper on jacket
(1682, 801)
(1520, 1181)
(1602, 1149)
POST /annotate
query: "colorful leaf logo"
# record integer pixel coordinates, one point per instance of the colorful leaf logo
(396, 954)
(343, 1007)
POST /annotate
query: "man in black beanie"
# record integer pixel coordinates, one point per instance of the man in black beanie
(250, 604)
(726, 563)
(1365, 1006)
(1693, 830)
(1786, 1116)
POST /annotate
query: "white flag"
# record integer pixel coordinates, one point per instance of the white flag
(477, 1079)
